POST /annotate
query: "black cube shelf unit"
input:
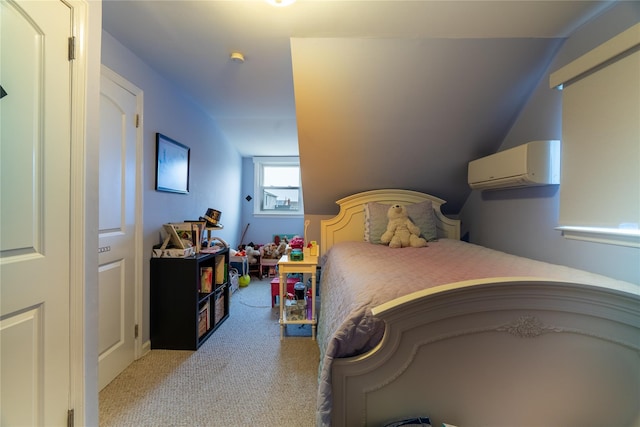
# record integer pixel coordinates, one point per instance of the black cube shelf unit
(184, 313)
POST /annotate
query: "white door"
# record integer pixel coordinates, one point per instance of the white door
(117, 228)
(35, 176)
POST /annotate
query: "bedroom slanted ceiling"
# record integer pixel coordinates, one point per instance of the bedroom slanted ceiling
(370, 93)
(375, 113)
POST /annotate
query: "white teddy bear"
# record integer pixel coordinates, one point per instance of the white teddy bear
(401, 231)
(252, 254)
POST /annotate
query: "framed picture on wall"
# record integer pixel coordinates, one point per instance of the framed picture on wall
(172, 165)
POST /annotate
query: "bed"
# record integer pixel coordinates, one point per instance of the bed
(466, 335)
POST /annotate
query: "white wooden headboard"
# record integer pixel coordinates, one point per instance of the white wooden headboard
(348, 224)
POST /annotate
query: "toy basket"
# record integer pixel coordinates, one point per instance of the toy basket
(234, 279)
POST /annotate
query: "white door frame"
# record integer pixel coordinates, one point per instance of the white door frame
(87, 30)
(78, 227)
(140, 348)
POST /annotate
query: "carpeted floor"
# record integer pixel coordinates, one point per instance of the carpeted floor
(243, 375)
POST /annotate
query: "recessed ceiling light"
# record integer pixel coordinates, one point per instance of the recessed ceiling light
(280, 3)
(237, 57)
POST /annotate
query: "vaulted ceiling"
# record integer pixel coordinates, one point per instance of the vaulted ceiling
(370, 94)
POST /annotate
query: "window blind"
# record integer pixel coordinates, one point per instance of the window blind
(600, 173)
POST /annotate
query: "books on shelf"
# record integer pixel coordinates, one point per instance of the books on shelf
(198, 228)
(206, 279)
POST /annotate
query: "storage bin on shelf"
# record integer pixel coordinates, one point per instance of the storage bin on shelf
(294, 308)
(219, 307)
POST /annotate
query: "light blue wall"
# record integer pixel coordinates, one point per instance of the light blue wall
(522, 221)
(215, 172)
(261, 229)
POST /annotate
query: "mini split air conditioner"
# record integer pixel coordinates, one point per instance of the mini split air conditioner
(530, 164)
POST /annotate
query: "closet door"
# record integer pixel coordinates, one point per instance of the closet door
(35, 176)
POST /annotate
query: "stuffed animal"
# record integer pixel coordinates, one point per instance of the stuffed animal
(269, 251)
(252, 254)
(265, 251)
(401, 231)
(281, 249)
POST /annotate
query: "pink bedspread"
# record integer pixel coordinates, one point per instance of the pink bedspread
(358, 276)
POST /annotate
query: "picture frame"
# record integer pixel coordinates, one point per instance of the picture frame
(172, 165)
(181, 233)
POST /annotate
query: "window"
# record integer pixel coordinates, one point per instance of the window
(277, 186)
(600, 179)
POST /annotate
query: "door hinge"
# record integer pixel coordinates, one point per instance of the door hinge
(72, 48)
(137, 120)
(135, 331)
(70, 418)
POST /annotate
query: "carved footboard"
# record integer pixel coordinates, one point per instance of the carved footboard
(507, 352)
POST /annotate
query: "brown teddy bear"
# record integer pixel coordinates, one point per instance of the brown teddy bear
(281, 249)
(401, 231)
(269, 251)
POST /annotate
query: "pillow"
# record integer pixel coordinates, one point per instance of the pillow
(375, 221)
(422, 215)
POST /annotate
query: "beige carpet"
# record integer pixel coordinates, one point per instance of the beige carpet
(243, 375)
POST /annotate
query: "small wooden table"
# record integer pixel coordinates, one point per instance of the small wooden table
(307, 265)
